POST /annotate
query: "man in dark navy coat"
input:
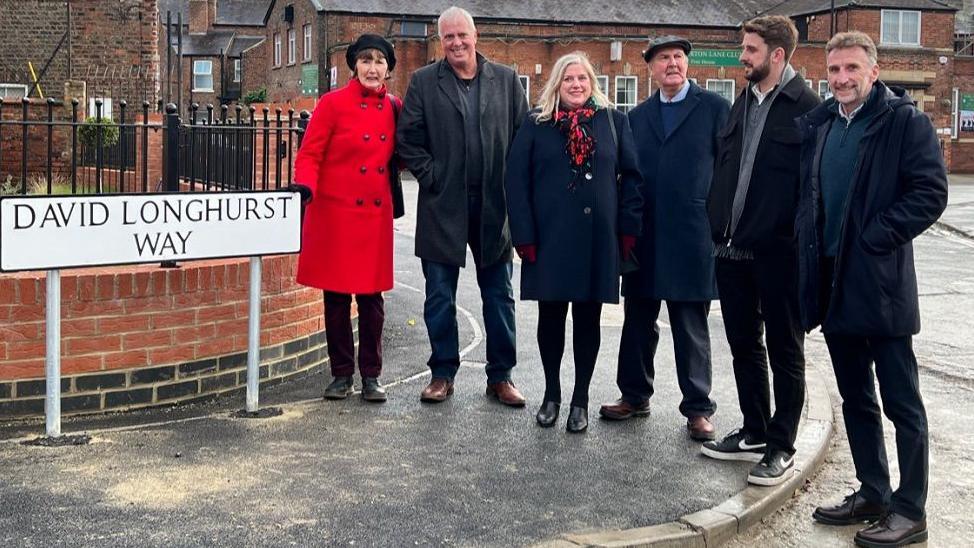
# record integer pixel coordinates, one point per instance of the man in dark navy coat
(676, 142)
(873, 178)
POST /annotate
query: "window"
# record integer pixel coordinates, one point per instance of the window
(277, 49)
(292, 46)
(307, 43)
(626, 92)
(202, 75)
(603, 82)
(106, 107)
(823, 89)
(900, 27)
(12, 91)
(413, 28)
(236, 71)
(722, 87)
(526, 84)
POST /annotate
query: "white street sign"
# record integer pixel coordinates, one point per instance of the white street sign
(50, 232)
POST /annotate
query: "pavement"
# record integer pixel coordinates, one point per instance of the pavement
(467, 472)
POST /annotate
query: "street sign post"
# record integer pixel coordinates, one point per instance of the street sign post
(55, 232)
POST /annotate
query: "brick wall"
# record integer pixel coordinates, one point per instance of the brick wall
(113, 46)
(962, 149)
(284, 82)
(122, 326)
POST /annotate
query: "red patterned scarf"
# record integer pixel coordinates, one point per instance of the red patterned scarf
(576, 126)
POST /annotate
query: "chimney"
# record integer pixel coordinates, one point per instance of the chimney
(199, 15)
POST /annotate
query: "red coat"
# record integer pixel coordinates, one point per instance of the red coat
(344, 160)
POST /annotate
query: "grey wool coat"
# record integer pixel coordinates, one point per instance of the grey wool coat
(430, 142)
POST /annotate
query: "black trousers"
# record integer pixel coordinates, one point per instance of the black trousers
(691, 347)
(586, 338)
(899, 384)
(338, 332)
(758, 298)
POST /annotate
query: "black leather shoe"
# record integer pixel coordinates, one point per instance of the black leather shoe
(853, 509)
(372, 390)
(339, 389)
(892, 530)
(547, 414)
(577, 419)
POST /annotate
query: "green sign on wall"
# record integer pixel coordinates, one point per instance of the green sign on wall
(309, 79)
(967, 101)
(715, 57)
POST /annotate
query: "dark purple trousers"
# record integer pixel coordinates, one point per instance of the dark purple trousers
(338, 331)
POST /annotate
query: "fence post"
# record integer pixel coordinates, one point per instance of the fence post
(170, 150)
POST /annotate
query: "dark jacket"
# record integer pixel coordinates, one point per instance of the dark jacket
(898, 189)
(675, 252)
(767, 222)
(430, 141)
(576, 231)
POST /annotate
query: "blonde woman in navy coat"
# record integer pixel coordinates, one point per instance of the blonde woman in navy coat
(575, 211)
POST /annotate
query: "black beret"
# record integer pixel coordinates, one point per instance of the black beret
(371, 41)
(664, 41)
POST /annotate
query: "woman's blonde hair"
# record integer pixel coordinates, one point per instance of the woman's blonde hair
(550, 98)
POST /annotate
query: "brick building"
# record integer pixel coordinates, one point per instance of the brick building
(294, 49)
(111, 46)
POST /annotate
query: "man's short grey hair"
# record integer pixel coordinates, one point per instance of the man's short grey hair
(853, 39)
(451, 13)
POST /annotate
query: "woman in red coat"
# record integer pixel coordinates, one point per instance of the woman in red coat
(342, 172)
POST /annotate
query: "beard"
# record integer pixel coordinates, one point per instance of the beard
(759, 72)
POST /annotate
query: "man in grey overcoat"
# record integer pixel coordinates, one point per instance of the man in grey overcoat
(458, 120)
(676, 144)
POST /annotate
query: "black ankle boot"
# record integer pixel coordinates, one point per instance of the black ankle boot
(577, 419)
(547, 414)
(339, 389)
(372, 390)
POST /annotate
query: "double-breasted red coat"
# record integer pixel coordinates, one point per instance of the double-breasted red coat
(344, 160)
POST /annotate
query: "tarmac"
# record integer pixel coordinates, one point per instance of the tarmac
(467, 472)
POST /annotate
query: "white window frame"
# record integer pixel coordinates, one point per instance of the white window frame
(307, 43)
(898, 39)
(292, 46)
(277, 49)
(6, 88)
(733, 87)
(823, 89)
(626, 107)
(237, 71)
(202, 73)
(106, 107)
(603, 81)
(525, 81)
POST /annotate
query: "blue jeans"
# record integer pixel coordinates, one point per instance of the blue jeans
(440, 309)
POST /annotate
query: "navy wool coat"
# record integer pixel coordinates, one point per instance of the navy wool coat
(675, 252)
(898, 189)
(576, 231)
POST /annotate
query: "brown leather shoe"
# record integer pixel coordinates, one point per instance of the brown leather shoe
(436, 391)
(506, 393)
(622, 410)
(701, 429)
(892, 530)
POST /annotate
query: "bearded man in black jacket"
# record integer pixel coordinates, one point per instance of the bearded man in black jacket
(752, 207)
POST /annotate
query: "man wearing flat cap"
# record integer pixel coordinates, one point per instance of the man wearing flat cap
(458, 120)
(676, 142)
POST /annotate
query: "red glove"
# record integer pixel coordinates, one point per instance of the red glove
(626, 245)
(527, 252)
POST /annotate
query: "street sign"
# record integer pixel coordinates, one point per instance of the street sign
(309, 80)
(52, 232)
(715, 57)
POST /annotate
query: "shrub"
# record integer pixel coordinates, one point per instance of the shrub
(88, 132)
(255, 96)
